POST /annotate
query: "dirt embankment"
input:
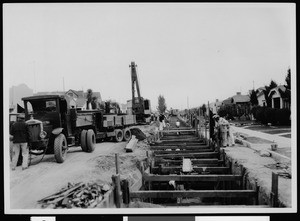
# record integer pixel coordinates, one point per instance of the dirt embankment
(48, 177)
(259, 168)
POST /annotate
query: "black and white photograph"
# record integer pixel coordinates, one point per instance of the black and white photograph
(149, 108)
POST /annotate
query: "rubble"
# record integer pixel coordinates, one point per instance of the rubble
(80, 195)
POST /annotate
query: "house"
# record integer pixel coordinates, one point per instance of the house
(261, 96)
(215, 106)
(280, 96)
(78, 98)
(239, 104)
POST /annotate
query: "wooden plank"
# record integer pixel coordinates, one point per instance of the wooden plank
(131, 145)
(194, 178)
(190, 155)
(187, 165)
(158, 152)
(179, 130)
(274, 190)
(178, 144)
(208, 169)
(117, 184)
(192, 194)
(188, 140)
(194, 161)
(181, 147)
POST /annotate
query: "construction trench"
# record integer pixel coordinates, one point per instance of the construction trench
(185, 170)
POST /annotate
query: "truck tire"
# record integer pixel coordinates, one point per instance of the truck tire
(83, 140)
(118, 135)
(90, 140)
(127, 134)
(60, 148)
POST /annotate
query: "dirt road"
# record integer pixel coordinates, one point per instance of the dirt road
(47, 177)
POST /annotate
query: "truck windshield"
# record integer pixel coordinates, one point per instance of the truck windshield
(41, 106)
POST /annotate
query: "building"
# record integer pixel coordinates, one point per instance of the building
(261, 96)
(78, 98)
(238, 104)
(280, 96)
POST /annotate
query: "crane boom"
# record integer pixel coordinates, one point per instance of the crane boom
(138, 103)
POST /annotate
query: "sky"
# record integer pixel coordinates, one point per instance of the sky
(190, 53)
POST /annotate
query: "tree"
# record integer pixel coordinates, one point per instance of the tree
(288, 79)
(253, 98)
(89, 97)
(286, 94)
(267, 90)
(161, 104)
(203, 109)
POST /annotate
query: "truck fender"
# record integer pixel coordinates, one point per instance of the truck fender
(57, 131)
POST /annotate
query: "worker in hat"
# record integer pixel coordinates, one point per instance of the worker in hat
(20, 137)
(222, 124)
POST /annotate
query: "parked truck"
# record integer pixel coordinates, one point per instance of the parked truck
(55, 126)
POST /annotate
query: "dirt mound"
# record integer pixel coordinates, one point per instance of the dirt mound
(138, 133)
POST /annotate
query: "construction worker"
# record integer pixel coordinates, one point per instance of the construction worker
(177, 123)
(20, 133)
(161, 123)
(223, 129)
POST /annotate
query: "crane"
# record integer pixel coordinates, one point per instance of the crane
(140, 106)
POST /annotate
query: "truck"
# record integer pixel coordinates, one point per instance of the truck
(55, 126)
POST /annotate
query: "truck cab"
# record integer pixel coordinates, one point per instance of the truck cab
(50, 128)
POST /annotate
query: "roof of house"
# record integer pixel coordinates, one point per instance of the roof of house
(81, 101)
(75, 92)
(238, 98)
(227, 101)
(279, 88)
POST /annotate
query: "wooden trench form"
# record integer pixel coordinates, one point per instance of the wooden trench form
(164, 163)
(209, 165)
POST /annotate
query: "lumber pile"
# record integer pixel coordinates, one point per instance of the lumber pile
(79, 195)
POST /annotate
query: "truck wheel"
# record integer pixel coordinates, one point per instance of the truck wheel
(60, 148)
(127, 135)
(90, 140)
(118, 135)
(83, 140)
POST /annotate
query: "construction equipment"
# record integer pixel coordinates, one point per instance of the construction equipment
(55, 125)
(140, 106)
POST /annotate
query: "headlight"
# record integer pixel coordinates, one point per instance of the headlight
(43, 134)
